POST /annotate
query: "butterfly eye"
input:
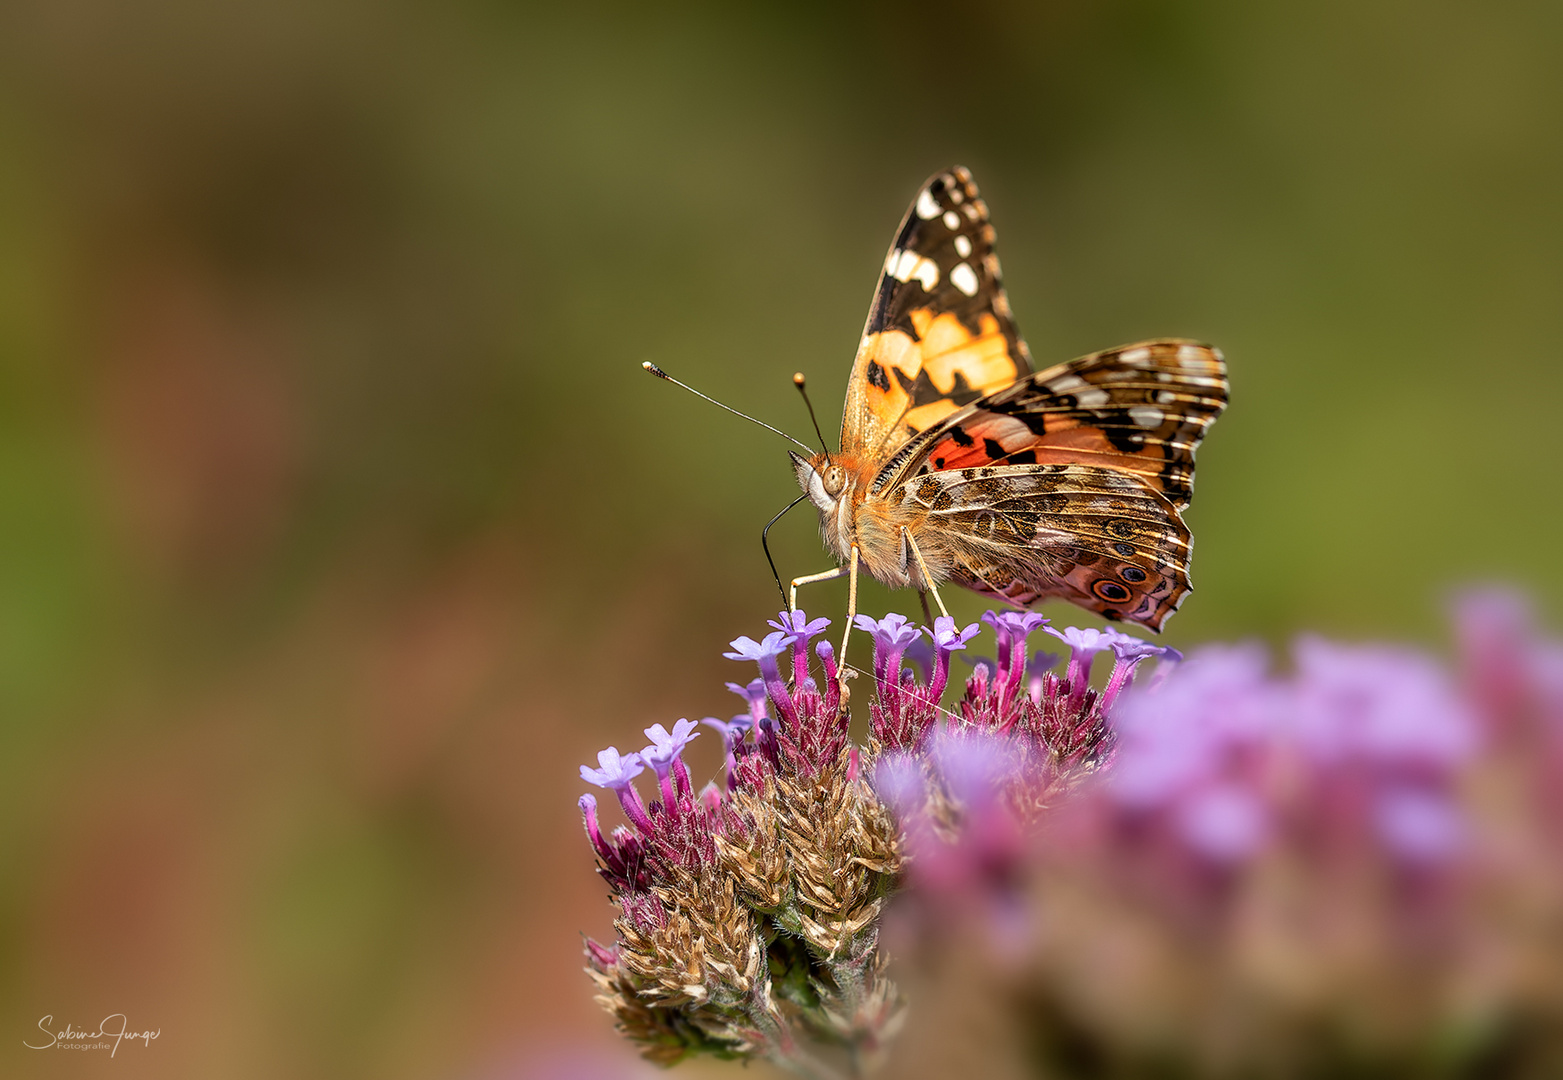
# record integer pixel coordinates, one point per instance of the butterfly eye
(835, 479)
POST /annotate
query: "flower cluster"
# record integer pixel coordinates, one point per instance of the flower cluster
(1353, 867)
(749, 912)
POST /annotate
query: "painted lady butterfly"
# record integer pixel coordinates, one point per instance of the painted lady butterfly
(957, 463)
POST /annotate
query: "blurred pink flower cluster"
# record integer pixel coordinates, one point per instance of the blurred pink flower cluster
(1353, 868)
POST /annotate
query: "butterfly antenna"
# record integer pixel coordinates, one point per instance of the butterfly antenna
(797, 380)
(765, 544)
(659, 373)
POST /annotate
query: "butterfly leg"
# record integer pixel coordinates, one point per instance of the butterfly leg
(927, 577)
(828, 575)
(841, 671)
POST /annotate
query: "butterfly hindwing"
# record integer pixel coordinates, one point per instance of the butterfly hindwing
(1101, 538)
(939, 334)
(1140, 409)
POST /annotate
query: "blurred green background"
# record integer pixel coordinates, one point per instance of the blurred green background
(340, 525)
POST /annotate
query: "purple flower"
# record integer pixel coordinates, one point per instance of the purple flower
(1083, 640)
(1129, 652)
(732, 731)
(617, 770)
(588, 807)
(1224, 822)
(1084, 644)
(1011, 629)
(946, 638)
(921, 652)
(894, 631)
(666, 746)
(1419, 826)
(1014, 624)
(754, 694)
(892, 635)
(1392, 706)
(1037, 665)
(898, 780)
(797, 624)
(765, 653)
(663, 757)
(618, 774)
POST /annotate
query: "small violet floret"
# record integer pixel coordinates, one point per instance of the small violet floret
(666, 746)
(946, 638)
(617, 770)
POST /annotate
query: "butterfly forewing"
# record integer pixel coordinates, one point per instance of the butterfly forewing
(939, 334)
(1141, 409)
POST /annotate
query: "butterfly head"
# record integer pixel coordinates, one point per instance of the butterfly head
(823, 479)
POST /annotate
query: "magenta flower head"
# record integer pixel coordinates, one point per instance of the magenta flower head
(765, 653)
(946, 640)
(732, 731)
(1224, 822)
(617, 771)
(1014, 626)
(1011, 629)
(1422, 827)
(1083, 644)
(892, 635)
(1129, 652)
(1038, 664)
(666, 745)
(754, 695)
(663, 758)
(1392, 706)
(617, 774)
(921, 653)
(804, 631)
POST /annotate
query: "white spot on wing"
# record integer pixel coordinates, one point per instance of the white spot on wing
(1166, 397)
(895, 253)
(1091, 398)
(905, 262)
(928, 273)
(970, 210)
(962, 243)
(964, 278)
(1191, 356)
(926, 206)
(952, 220)
(1147, 416)
(1135, 357)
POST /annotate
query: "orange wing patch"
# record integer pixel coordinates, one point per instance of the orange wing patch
(913, 383)
(939, 334)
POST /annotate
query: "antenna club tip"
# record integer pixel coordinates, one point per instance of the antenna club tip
(797, 378)
(647, 365)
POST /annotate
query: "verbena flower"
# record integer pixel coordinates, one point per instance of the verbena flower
(750, 914)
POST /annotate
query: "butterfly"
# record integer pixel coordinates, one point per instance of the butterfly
(959, 463)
